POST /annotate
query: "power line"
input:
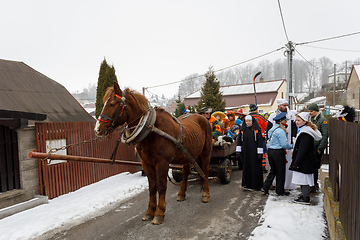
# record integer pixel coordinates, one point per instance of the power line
(333, 49)
(251, 59)
(283, 22)
(330, 38)
(305, 59)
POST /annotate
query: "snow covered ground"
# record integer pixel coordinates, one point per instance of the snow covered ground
(281, 219)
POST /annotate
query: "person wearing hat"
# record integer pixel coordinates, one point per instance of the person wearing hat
(323, 126)
(278, 143)
(219, 117)
(241, 115)
(250, 148)
(234, 131)
(229, 121)
(262, 123)
(215, 125)
(303, 159)
(283, 106)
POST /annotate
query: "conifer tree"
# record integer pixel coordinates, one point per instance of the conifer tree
(210, 93)
(180, 107)
(106, 79)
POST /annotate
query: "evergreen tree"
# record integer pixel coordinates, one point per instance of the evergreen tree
(210, 93)
(106, 79)
(180, 106)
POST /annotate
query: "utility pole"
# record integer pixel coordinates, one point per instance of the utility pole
(289, 54)
(334, 85)
(144, 91)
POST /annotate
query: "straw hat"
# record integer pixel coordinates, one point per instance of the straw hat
(221, 114)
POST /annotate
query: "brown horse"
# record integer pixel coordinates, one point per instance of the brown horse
(128, 108)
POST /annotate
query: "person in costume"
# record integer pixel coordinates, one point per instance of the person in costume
(278, 143)
(303, 162)
(250, 147)
(229, 121)
(345, 113)
(215, 126)
(262, 123)
(292, 129)
(219, 117)
(241, 115)
(322, 125)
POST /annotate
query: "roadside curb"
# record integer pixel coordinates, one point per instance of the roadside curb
(36, 201)
(331, 208)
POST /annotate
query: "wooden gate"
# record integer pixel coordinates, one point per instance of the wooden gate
(9, 160)
(64, 177)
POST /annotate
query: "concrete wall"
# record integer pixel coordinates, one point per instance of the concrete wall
(29, 177)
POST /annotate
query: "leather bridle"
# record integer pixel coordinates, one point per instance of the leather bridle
(112, 122)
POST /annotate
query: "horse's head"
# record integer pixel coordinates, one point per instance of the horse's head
(114, 112)
(120, 107)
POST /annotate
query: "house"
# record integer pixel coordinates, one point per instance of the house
(26, 97)
(353, 87)
(242, 95)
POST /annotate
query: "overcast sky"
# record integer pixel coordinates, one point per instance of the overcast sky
(158, 42)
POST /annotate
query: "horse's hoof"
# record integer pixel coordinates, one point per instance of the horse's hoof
(158, 220)
(205, 198)
(180, 198)
(147, 217)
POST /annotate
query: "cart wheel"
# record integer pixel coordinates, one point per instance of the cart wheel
(225, 171)
(177, 175)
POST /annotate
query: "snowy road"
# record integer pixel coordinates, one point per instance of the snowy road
(232, 213)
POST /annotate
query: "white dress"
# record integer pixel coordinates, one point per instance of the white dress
(303, 179)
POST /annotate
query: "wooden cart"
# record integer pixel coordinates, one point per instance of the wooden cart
(222, 159)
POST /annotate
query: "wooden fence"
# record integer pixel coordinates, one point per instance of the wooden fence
(61, 178)
(344, 173)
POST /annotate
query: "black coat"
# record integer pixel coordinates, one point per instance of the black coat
(250, 145)
(303, 158)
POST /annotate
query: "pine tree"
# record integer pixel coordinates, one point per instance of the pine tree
(180, 106)
(210, 93)
(106, 79)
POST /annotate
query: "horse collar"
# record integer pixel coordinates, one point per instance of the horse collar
(142, 129)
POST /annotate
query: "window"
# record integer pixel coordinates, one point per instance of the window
(56, 143)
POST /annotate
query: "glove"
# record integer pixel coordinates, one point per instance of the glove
(238, 154)
(260, 156)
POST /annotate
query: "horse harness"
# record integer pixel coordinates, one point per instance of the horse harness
(112, 121)
(147, 125)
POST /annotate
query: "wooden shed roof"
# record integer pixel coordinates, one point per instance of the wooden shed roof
(24, 89)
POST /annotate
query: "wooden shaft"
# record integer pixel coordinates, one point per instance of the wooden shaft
(80, 159)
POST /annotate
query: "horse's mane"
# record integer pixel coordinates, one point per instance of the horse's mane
(141, 100)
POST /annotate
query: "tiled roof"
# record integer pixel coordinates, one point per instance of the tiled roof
(24, 89)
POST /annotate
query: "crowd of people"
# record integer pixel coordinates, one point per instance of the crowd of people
(293, 142)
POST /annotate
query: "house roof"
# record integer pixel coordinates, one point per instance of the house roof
(24, 89)
(354, 70)
(236, 96)
(247, 88)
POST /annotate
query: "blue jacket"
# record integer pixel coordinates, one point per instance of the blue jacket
(278, 138)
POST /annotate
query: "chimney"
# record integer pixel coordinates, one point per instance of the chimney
(261, 79)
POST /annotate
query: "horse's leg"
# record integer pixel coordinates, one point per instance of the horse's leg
(151, 175)
(162, 170)
(205, 157)
(183, 187)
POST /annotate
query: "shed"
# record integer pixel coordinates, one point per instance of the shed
(27, 96)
